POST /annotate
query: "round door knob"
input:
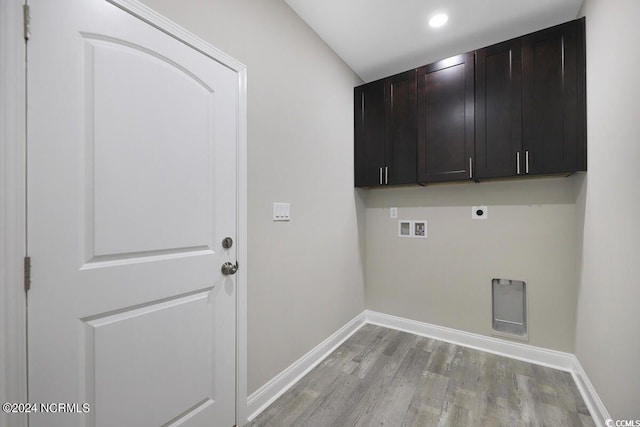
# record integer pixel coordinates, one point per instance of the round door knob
(229, 269)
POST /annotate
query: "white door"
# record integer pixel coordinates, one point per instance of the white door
(131, 189)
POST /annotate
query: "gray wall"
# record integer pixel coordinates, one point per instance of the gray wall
(608, 214)
(306, 276)
(446, 279)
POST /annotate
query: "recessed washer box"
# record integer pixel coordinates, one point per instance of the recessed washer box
(412, 228)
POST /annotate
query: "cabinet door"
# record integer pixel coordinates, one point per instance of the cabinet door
(445, 119)
(498, 142)
(553, 99)
(400, 166)
(369, 133)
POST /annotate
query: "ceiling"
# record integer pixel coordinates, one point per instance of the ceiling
(378, 38)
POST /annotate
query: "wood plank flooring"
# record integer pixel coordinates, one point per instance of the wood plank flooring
(384, 377)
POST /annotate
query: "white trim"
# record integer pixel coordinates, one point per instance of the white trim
(13, 347)
(169, 27)
(242, 253)
(174, 30)
(514, 350)
(527, 353)
(278, 385)
(591, 398)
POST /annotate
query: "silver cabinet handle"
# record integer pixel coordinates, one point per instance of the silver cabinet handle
(526, 161)
(470, 168)
(380, 176)
(386, 175)
(518, 162)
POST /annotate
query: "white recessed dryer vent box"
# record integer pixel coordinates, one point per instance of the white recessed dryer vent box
(509, 307)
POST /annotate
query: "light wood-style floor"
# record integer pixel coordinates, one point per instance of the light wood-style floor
(384, 377)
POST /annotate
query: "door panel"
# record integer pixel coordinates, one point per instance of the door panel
(401, 127)
(545, 89)
(120, 346)
(172, 138)
(131, 189)
(446, 119)
(553, 99)
(499, 110)
(369, 131)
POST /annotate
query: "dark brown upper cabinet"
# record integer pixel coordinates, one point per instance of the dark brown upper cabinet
(513, 109)
(498, 143)
(385, 131)
(369, 132)
(530, 111)
(446, 119)
(553, 107)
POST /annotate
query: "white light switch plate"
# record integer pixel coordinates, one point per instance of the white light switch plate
(479, 212)
(281, 212)
(393, 212)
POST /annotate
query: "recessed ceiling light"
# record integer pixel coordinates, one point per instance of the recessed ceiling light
(438, 20)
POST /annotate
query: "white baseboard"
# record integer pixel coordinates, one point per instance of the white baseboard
(591, 398)
(567, 362)
(278, 385)
(527, 353)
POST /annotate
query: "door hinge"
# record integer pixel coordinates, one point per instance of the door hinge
(27, 273)
(27, 21)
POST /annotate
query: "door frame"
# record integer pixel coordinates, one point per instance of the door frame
(13, 332)
(13, 319)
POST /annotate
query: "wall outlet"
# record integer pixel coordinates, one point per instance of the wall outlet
(479, 212)
(393, 212)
